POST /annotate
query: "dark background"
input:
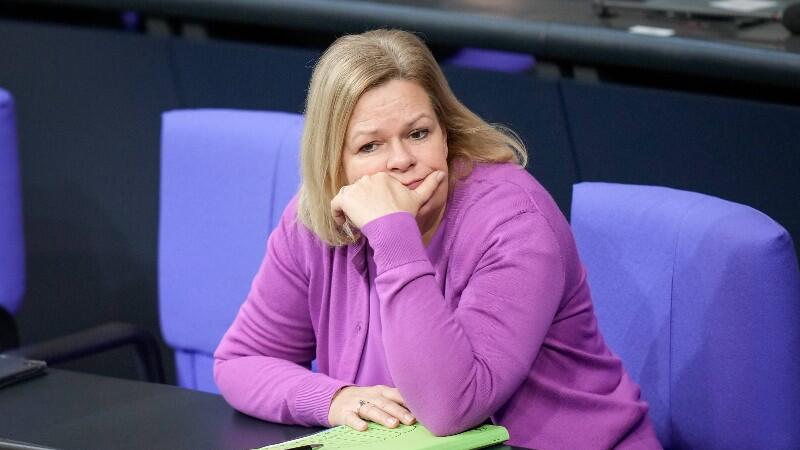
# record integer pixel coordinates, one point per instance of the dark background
(90, 91)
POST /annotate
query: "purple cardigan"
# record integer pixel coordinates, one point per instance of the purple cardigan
(500, 327)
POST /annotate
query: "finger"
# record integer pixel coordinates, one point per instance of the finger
(374, 413)
(336, 210)
(428, 186)
(355, 422)
(394, 395)
(395, 410)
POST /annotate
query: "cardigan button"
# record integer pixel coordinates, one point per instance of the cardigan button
(358, 327)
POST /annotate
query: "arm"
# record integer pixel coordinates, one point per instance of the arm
(455, 369)
(261, 365)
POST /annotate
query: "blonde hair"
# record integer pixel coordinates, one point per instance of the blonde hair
(354, 64)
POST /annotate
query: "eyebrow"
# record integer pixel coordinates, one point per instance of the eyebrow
(373, 131)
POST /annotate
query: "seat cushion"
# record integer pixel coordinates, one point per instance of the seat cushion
(195, 370)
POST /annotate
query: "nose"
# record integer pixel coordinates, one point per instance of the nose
(400, 157)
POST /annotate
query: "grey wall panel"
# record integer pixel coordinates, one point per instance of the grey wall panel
(90, 101)
(532, 108)
(743, 151)
(88, 104)
(232, 75)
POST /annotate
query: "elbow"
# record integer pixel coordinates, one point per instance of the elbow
(446, 426)
(218, 373)
(449, 413)
(440, 429)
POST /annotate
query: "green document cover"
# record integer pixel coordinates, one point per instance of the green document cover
(404, 437)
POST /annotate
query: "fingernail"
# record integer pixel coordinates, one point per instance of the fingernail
(391, 421)
(440, 176)
(408, 417)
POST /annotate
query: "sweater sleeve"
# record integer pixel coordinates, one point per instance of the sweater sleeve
(455, 366)
(262, 363)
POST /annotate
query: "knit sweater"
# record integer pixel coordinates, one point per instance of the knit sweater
(499, 325)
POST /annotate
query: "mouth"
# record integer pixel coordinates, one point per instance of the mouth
(414, 184)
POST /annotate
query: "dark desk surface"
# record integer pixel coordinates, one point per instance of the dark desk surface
(564, 30)
(70, 410)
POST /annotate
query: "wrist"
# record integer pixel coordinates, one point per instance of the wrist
(332, 419)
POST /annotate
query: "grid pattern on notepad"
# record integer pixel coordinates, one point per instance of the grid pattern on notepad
(372, 435)
(343, 437)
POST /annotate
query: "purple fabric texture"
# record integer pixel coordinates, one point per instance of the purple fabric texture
(12, 245)
(700, 297)
(497, 324)
(226, 176)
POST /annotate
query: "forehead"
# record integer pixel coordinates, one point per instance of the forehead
(394, 100)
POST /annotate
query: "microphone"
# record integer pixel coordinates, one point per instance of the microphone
(790, 18)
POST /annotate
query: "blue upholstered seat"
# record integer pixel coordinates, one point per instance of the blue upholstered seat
(12, 247)
(489, 59)
(701, 299)
(226, 177)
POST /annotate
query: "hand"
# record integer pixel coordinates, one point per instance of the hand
(376, 195)
(354, 406)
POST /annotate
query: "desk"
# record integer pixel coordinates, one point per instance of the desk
(71, 410)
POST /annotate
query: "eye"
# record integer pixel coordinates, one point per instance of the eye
(419, 134)
(368, 148)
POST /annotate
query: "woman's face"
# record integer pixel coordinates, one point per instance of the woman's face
(394, 129)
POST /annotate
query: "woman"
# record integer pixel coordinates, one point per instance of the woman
(430, 276)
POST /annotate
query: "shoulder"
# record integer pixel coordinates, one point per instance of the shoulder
(496, 198)
(506, 219)
(501, 191)
(292, 236)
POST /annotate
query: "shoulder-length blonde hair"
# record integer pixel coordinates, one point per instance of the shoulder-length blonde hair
(348, 68)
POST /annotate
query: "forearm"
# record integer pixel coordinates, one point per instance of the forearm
(262, 363)
(276, 390)
(433, 364)
(262, 366)
(457, 360)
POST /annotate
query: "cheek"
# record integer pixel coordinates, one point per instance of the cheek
(354, 169)
(434, 157)
(443, 154)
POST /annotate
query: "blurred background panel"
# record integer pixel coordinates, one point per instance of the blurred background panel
(713, 109)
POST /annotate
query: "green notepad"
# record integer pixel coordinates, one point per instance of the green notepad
(404, 437)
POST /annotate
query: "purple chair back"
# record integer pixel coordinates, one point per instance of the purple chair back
(226, 177)
(700, 297)
(12, 246)
(495, 60)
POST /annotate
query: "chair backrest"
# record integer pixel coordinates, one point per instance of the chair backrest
(12, 247)
(489, 59)
(700, 297)
(226, 177)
